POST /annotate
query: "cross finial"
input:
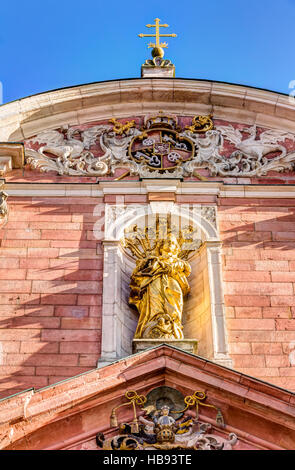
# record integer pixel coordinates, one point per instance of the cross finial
(157, 46)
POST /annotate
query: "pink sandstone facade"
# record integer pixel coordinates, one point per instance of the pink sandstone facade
(53, 283)
(69, 415)
(51, 289)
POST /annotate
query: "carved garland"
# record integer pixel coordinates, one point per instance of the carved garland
(162, 149)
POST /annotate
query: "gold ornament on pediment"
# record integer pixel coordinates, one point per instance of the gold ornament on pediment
(120, 128)
(161, 145)
(133, 400)
(163, 426)
(163, 120)
(201, 124)
(157, 46)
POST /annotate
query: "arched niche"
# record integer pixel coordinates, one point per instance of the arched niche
(203, 314)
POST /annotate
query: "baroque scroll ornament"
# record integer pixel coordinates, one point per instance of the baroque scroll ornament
(164, 427)
(162, 149)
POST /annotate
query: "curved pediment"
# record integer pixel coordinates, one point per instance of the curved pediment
(95, 130)
(76, 105)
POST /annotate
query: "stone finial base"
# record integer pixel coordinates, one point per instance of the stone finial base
(188, 345)
(165, 72)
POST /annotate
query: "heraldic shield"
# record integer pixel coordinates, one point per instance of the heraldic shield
(161, 149)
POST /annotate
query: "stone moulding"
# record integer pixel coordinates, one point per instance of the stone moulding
(118, 188)
(63, 153)
(188, 345)
(11, 156)
(29, 116)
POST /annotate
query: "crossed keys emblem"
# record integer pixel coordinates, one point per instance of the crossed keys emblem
(161, 149)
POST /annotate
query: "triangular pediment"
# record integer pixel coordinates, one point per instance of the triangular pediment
(71, 413)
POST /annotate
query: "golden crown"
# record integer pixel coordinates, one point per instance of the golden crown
(161, 120)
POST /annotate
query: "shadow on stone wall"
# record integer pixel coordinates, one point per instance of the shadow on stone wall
(48, 337)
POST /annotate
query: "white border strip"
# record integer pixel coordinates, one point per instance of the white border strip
(139, 188)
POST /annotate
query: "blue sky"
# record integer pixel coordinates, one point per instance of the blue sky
(58, 43)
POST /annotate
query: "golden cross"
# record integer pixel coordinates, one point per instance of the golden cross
(157, 35)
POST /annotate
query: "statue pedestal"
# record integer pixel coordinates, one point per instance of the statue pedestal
(163, 72)
(188, 345)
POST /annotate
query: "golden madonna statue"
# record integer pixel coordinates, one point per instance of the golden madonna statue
(158, 286)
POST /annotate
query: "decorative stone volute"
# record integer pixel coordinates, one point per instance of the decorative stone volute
(11, 156)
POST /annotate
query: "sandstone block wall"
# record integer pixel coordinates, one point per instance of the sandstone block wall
(51, 275)
(259, 274)
(50, 292)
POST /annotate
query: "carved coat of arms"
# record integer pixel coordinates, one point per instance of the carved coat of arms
(163, 426)
(161, 148)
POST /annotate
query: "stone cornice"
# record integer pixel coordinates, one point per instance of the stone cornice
(12, 156)
(97, 101)
(214, 188)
